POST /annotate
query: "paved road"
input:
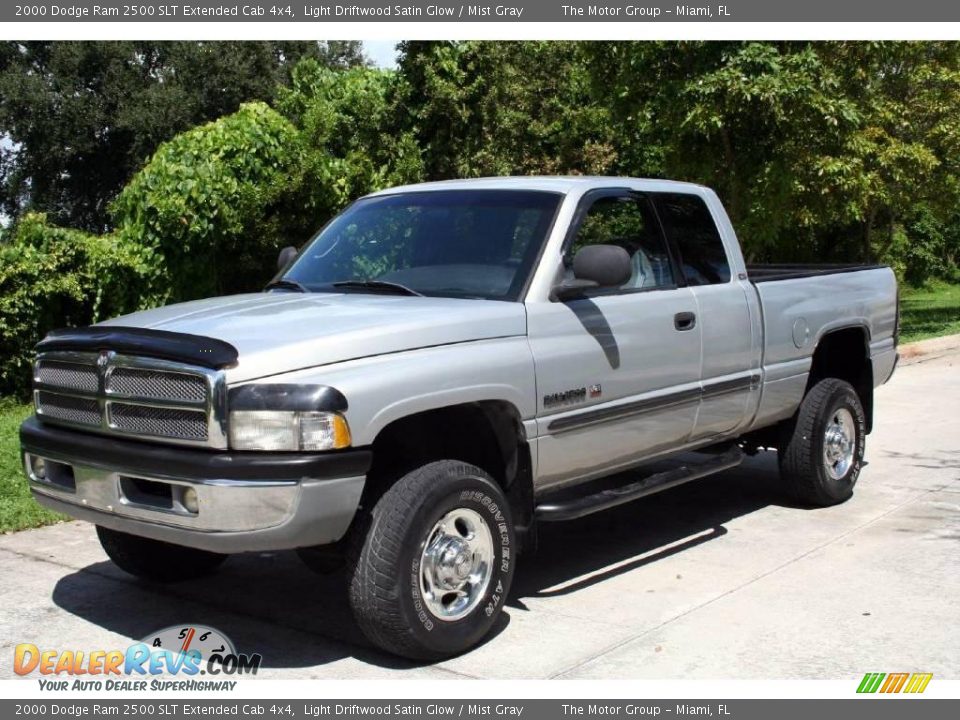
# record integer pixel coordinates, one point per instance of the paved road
(717, 579)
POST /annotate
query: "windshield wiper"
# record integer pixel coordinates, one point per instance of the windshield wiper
(396, 288)
(286, 284)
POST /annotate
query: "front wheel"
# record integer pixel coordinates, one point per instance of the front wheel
(822, 452)
(429, 577)
(156, 560)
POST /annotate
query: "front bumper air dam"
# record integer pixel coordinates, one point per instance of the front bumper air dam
(246, 501)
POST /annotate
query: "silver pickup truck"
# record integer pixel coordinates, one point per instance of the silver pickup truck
(443, 367)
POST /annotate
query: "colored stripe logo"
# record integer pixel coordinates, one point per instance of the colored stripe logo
(894, 682)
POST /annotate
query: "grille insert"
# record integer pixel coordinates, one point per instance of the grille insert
(127, 395)
(84, 411)
(72, 376)
(177, 423)
(157, 384)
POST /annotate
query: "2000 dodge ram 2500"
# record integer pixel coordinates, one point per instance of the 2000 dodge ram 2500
(443, 367)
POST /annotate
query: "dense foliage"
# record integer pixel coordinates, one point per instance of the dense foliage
(820, 151)
(204, 203)
(83, 116)
(53, 277)
(504, 108)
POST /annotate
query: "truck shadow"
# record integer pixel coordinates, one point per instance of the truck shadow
(575, 555)
(270, 603)
(267, 603)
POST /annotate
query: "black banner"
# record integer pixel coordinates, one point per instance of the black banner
(534, 11)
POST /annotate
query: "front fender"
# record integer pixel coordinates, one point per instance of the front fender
(382, 389)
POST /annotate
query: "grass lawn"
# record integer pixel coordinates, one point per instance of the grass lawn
(929, 311)
(17, 509)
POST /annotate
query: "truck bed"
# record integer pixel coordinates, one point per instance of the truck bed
(800, 304)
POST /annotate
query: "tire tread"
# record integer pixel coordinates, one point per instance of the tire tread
(375, 551)
(800, 466)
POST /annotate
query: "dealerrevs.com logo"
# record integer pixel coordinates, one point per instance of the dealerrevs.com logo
(172, 659)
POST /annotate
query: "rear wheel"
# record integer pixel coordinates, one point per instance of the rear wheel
(156, 560)
(429, 577)
(822, 451)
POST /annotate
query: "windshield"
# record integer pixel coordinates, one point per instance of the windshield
(449, 243)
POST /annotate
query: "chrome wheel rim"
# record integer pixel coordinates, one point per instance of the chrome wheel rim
(456, 564)
(839, 443)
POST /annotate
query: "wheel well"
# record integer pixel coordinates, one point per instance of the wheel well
(488, 434)
(844, 354)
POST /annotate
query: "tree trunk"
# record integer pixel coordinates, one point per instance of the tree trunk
(733, 198)
(868, 236)
(888, 242)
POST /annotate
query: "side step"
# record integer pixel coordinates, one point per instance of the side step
(605, 499)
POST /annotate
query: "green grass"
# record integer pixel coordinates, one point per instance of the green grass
(17, 509)
(929, 311)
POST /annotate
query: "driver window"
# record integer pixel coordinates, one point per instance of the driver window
(628, 222)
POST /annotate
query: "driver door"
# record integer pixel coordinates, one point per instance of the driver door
(618, 369)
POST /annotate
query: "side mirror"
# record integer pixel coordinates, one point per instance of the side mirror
(286, 257)
(595, 266)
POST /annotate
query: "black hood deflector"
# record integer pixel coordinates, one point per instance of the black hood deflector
(162, 344)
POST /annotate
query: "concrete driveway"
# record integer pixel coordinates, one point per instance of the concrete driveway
(718, 579)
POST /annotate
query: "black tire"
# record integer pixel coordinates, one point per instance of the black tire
(156, 560)
(803, 465)
(384, 562)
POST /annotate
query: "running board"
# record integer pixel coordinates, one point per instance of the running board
(606, 499)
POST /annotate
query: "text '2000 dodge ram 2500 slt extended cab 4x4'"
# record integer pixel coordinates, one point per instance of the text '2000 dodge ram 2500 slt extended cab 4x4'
(443, 367)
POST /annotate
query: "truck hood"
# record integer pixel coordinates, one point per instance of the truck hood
(280, 332)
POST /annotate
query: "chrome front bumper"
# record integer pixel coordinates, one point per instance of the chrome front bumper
(243, 502)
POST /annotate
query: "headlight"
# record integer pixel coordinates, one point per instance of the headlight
(287, 430)
(287, 417)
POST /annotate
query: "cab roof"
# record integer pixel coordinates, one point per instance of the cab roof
(545, 183)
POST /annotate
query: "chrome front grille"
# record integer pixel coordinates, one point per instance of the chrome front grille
(68, 375)
(69, 408)
(159, 421)
(132, 396)
(156, 384)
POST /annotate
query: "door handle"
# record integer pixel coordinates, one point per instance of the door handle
(685, 321)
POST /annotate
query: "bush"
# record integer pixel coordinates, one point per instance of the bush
(351, 136)
(53, 277)
(207, 203)
(924, 248)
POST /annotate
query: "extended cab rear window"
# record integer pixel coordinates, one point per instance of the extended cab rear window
(690, 227)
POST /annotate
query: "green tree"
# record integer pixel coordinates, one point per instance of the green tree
(813, 147)
(80, 117)
(902, 160)
(503, 108)
(756, 121)
(354, 142)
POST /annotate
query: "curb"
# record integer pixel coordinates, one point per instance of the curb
(931, 349)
